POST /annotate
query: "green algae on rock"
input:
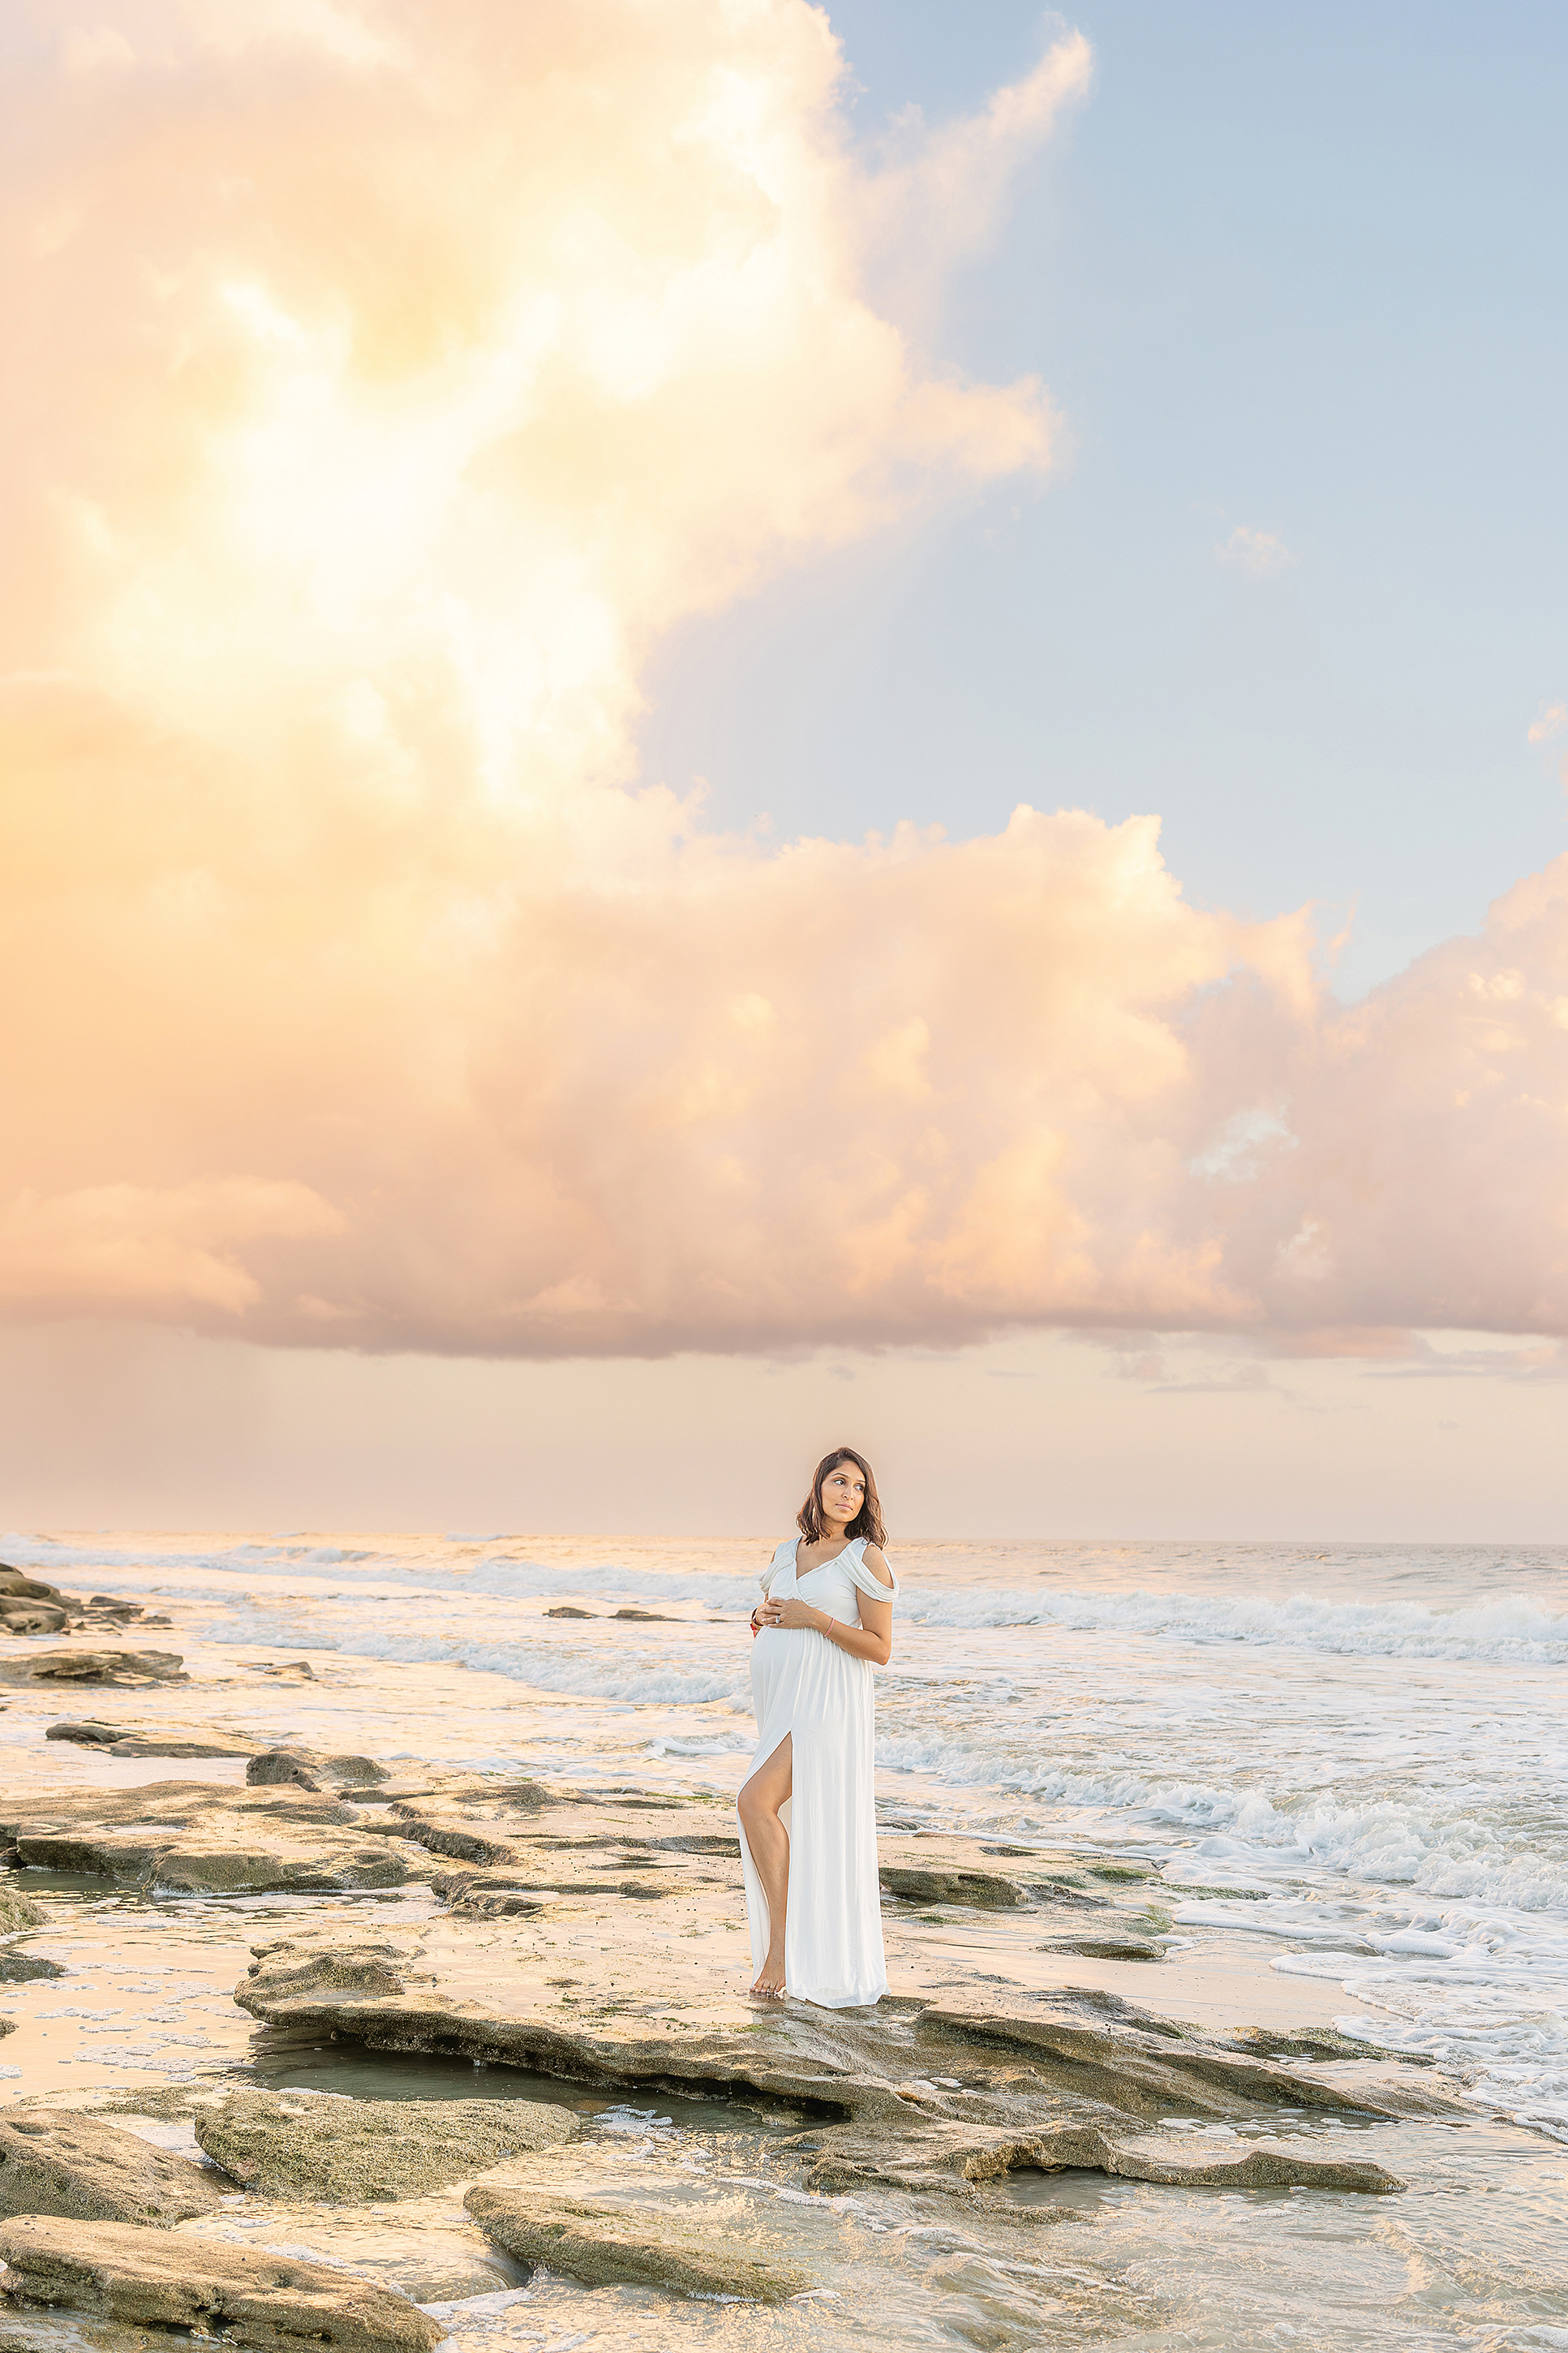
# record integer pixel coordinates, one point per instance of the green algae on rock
(17, 1912)
(984, 1891)
(346, 2152)
(1108, 1948)
(603, 2244)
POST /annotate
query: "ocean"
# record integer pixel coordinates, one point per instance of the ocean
(1348, 1763)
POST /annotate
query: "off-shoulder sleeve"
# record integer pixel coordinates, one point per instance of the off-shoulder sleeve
(867, 1579)
(780, 1560)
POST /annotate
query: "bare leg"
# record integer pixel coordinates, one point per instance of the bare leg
(759, 1802)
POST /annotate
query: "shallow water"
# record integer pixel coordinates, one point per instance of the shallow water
(1348, 1766)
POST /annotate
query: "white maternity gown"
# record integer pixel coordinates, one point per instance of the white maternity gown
(805, 1687)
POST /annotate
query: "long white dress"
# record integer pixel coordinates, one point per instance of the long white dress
(804, 1686)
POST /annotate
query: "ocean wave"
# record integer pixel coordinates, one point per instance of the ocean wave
(1249, 1842)
(1509, 1629)
(547, 1667)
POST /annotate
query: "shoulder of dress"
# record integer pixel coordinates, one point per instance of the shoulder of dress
(877, 1560)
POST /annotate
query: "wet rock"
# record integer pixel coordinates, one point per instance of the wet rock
(19, 1593)
(57, 2163)
(314, 2146)
(646, 1616)
(1107, 1948)
(564, 1610)
(18, 1911)
(1069, 1892)
(601, 2245)
(114, 2271)
(141, 1743)
(1067, 2058)
(113, 1605)
(445, 1831)
(356, 1772)
(980, 1890)
(95, 1667)
(274, 1767)
(32, 1617)
(369, 1966)
(487, 1894)
(307, 1769)
(17, 1968)
(1116, 2059)
(1259, 2164)
(313, 1868)
(523, 1796)
(147, 1740)
(1324, 2042)
(951, 2158)
(189, 1838)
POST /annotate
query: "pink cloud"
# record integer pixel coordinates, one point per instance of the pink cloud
(400, 377)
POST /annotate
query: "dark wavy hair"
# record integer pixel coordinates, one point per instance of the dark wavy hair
(868, 1520)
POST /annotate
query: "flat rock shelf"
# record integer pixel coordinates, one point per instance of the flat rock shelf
(585, 1949)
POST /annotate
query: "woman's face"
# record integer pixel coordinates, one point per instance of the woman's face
(843, 1493)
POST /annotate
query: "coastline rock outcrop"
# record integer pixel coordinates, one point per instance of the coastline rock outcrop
(140, 1740)
(343, 2151)
(984, 1890)
(192, 1838)
(53, 2162)
(954, 2159)
(17, 1968)
(115, 2271)
(920, 2095)
(27, 1606)
(17, 1912)
(601, 2245)
(95, 1667)
(540, 1962)
(305, 1769)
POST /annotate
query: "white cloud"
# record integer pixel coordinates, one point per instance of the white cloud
(1259, 553)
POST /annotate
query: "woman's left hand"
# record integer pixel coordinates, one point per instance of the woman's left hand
(790, 1615)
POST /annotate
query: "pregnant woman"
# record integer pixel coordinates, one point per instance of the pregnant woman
(808, 1824)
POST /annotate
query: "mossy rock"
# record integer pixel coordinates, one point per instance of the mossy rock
(350, 2152)
(18, 1911)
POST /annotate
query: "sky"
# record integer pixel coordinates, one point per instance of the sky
(727, 728)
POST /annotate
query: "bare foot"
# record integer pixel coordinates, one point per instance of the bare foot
(770, 1986)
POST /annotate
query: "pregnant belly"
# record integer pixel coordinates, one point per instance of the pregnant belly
(804, 1671)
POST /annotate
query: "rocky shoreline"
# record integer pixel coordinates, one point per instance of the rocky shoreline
(586, 1940)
